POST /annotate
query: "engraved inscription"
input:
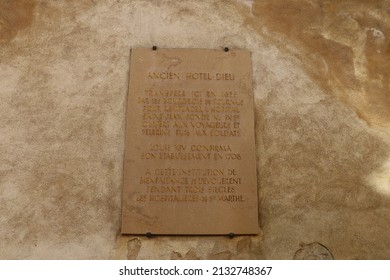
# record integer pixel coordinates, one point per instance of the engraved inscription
(194, 113)
(203, 185)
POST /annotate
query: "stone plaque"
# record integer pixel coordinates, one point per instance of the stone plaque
(190, 161)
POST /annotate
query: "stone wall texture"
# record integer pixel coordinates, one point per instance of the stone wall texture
(321, 74)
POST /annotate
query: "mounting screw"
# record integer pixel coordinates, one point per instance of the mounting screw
(154, 48)
(226, 49)
(231, 235)
(149, 235)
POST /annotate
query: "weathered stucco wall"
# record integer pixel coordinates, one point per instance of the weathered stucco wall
(321, 72)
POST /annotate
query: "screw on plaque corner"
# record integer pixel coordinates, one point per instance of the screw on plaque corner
(231, 235)
(226, 49)
(154, 48)
(149, 235)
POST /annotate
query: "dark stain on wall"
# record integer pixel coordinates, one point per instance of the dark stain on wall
(15, 16)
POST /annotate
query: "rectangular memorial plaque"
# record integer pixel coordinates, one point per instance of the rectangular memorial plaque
(190, 163)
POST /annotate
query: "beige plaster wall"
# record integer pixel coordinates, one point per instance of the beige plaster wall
(321, 72)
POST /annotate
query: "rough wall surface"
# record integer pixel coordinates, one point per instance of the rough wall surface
(321, 72)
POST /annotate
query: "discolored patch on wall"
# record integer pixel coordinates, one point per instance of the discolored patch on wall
(313, 251)
(344, 45)
(133, 248)
(15, 16)
(189, 255)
